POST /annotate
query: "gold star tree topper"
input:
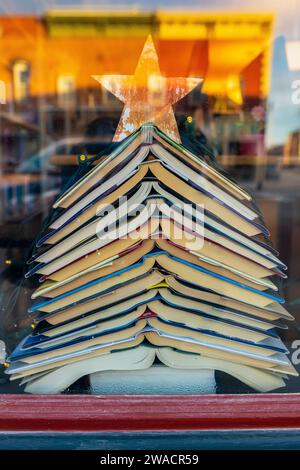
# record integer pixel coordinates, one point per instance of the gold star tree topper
(147, 95)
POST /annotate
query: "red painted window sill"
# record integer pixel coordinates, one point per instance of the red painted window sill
(85, 413)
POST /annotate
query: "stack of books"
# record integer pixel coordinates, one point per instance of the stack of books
(154, 255)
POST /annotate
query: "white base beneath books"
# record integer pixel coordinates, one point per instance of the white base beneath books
(155, 380)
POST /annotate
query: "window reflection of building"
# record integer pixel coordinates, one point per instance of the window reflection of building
(66, 91)
(291, 155)
(2, 92)
(21, 77)
(108, 100)
(228, 50)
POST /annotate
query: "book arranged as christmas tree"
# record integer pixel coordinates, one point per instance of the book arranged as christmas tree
(153, 253)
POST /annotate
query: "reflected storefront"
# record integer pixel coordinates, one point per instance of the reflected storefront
(52, 111)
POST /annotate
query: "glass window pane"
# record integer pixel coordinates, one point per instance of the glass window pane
(73, 85)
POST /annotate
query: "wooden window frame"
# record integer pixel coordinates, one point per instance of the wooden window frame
(121, 413)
